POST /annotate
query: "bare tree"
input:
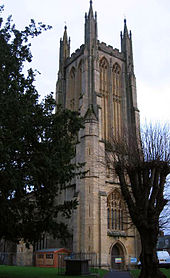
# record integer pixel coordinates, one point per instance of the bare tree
(142, 167)
(164, 219)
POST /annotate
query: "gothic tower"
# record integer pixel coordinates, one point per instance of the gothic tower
(99, 82)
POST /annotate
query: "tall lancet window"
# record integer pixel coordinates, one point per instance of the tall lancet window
(115, 211)
(104, 90)
(79, 84)
(71, 92)
(116, 90)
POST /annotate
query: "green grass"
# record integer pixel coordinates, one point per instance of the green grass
(35, 272)
(102, 272)
(135, 273)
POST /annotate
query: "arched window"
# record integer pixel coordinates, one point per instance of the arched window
(116, 91)
(79, 85)
(71, 93)
(104, 85)
(115, 211)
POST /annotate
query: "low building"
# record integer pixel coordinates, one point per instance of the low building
(50, 257)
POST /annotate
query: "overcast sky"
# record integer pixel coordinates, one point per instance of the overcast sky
(147, 19)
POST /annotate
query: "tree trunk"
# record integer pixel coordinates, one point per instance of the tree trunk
(148, 256)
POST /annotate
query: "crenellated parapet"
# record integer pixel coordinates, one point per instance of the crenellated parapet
(75, 55)
(108, 49)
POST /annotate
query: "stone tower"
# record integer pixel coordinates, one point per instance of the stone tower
(99, 82)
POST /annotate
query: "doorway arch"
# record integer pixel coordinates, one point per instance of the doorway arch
(117, 256)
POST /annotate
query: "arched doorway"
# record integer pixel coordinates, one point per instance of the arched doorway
(117, 257)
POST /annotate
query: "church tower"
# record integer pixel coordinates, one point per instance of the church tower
(99, 81)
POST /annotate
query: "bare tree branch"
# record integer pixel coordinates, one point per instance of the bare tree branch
(142, 166)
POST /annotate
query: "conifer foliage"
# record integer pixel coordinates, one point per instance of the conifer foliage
(37, 146)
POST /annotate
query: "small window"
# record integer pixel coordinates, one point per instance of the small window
(49, 256)
(40, 256)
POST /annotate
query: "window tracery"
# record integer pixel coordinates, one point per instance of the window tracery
(116, 91)
(115, 211)
(79, 84)
(71, 96)
(104, 85)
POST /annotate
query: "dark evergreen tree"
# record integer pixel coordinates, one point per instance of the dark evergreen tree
(37, 146)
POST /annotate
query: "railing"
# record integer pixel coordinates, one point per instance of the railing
(7, 258)
(117, 261)
(91, 257)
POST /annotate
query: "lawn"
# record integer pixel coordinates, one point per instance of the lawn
(34, 272)
(135, 273)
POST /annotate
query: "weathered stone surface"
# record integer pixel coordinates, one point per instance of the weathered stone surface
(99, 81)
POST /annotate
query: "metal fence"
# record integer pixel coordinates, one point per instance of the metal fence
(91, 257)
(19, 259)
(117, 262)
(7, 258)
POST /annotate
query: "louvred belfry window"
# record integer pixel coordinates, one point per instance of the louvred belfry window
(104, 85)
(117, 98)
(79, 85)
(71, 92)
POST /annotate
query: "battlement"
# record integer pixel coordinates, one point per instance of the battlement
(110, 50)
(75, 55)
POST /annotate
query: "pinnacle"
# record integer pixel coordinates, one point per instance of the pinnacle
(91, 9)
(125, 27)
(65, 33)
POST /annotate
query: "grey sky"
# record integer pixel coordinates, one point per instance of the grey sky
(148, 20)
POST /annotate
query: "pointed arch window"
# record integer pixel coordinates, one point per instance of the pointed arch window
(71, 93)
(79, 84)
(116, 92)
(115, 211)
(104, 85)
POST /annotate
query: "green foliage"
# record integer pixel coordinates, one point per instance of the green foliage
(102, 272)
(37, 145)
(135, 273)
